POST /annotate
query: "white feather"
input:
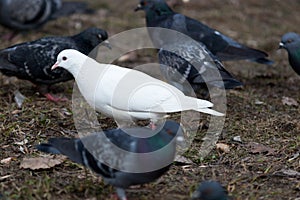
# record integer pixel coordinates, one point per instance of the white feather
(125, 93)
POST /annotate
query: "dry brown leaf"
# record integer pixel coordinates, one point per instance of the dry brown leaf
(223, 147)
(6, 160)
(45, 162)
(260, 148)
(289, 101)
(182, 159)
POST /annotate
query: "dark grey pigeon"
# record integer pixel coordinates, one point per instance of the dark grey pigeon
(210, 190)
(291, 42)
(190, 61)
(21, 15)
(33, 60)
(128, 159)
(159, 14)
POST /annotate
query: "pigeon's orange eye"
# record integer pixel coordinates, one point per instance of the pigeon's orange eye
(289, 41)
(64, 58)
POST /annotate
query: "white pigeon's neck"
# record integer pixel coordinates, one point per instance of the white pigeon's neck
(87, 75)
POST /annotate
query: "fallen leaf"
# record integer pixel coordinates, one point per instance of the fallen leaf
(25, 141)
(2, 178)
(19, 98)
(237, 139)
(290, 172)
(45, 162)
(260, 148)
(289, 101)
(6, 160)
(258, 102)
(15, 112)
(295, 156)
(183, 160)
(223, 147)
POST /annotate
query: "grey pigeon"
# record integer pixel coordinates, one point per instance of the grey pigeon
(291, 42)
(192, 62)
(95, 150)
(210, 190)
(159, 14)
(21, 15)
(33, 60)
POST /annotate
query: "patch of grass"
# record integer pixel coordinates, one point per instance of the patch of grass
(248, 176)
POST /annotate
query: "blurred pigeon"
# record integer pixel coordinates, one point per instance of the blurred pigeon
(126, 94)
(33, 60)
(210, 190)
(291, 42)
(159, 14)
(21, 15)
(190, 61)
(100, 151)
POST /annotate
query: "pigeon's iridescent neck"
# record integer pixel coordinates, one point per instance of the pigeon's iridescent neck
(153, 14)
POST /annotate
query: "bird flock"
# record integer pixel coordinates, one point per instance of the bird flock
(128, 95)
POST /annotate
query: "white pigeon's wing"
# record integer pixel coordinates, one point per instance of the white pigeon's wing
(159, 97)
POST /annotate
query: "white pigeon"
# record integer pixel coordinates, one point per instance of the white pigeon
(126, 94)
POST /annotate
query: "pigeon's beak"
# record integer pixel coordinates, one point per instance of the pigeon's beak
(281, 45)
(106, 44)
(139, 7)
(55, 66)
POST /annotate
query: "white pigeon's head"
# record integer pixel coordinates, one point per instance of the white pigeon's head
(71, 60)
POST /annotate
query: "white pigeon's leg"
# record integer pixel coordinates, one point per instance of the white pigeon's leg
(53, 98)
(121, 193)
(153, 123)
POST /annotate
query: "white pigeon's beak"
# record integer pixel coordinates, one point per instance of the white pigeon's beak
(55, 66)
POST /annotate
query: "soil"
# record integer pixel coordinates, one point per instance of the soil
(265, 165)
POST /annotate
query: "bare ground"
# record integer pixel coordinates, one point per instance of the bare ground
(255, 112)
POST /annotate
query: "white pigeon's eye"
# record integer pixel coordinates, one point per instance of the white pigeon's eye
(64, 58)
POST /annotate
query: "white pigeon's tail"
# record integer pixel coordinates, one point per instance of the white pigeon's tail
(211, 112)
(200, 105)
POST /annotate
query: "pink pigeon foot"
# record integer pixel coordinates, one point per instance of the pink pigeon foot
(53, 98)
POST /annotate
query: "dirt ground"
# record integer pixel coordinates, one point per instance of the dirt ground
(266, 165)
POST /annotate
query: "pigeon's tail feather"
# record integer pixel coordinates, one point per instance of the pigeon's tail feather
(199, 105)
(226, 84)
(70, 7)
(47, 148)
(264, 61)
(228, 81)
(231, 83)
(69, 147)
(210, 111)
(242, 53)
(6, 67)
